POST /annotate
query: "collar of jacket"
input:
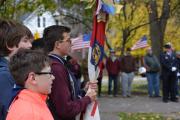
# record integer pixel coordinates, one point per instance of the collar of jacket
(32, 96)
(3, 62)
(61, 59)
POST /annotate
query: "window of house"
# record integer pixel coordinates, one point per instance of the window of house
(38, 21)
(44, 22)
(57, 22)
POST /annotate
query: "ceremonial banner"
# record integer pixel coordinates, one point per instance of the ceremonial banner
(95, 56)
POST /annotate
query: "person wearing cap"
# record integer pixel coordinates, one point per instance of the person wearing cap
(127, 75)
(112, 66)
(168, 63)
(152, 66)
(178, 71)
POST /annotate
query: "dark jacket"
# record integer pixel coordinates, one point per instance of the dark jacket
(152, 63)
(67, 107)
(128, 64)
(75, 68)
(113, 67)
(178, 60)
(6, 86)
(167, 62)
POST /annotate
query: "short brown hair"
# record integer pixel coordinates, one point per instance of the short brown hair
(11, 33)
(52, 34)
(5, 26)
(26, 61)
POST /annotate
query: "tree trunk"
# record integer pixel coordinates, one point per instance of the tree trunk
(158, 26)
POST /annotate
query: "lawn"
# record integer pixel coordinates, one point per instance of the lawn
(138, 87)
(142, 116)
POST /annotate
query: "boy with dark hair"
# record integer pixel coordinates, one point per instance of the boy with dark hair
(36, 78)
(12, 37)
(64, 102)
(38, 44)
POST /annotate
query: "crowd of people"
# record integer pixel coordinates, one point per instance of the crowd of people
(28, 77)
(165, 68)
(40, 80)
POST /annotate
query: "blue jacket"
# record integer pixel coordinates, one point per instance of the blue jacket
(6, 86)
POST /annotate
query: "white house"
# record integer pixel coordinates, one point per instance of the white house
(36, 23)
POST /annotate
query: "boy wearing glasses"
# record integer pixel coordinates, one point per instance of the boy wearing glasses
(12, 37)
(64, 99)
(31, 70)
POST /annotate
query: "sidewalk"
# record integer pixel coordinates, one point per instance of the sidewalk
(110, 107)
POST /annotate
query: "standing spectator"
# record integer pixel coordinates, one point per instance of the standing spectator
(178, 72)
(38, 44)
(84, 69)
(64, 101)
(12, 37)
(169, 74)
(75, 68)
(152, 66)
(113, 67)
(100, 78)
(127, 68)
(31, 70)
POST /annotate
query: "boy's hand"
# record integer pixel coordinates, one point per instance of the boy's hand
(91, 84)
(92, 94)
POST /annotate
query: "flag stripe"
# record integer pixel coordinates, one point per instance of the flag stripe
(142, 43)
(79, 43)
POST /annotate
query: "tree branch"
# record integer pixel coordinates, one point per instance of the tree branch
(144, 24)
(2, 2)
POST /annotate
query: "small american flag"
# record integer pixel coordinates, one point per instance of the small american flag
(142, 43)
(81, 42)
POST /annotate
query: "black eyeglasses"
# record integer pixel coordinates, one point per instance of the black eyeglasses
(44, 73)
(40, 73)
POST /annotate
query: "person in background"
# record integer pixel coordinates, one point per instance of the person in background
(178, 72)
(127, 75)
(168, 63)
(100, 78)
(152, 66)
(84, 69)
(13, 36)
(75, 68)
(113, 68)
(38, 44)
(65, 102)
(31, 70)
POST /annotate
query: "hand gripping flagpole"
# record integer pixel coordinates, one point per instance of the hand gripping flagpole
(95, 55)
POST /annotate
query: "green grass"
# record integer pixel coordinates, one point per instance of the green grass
(141, 116)
(137, 88)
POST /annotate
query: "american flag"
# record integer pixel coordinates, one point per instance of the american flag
(80, 42)
(142, 43)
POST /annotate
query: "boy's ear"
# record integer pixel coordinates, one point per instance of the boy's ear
(31, 78)
(11, 48)
(57, 44)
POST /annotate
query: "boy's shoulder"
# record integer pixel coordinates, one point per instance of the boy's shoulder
(3, 64)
